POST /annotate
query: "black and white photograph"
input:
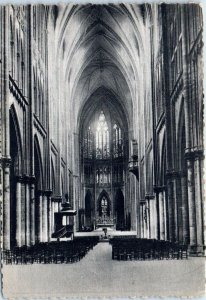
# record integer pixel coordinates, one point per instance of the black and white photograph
(102, 150)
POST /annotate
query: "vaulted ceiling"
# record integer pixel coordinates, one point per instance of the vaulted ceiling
(100, 47)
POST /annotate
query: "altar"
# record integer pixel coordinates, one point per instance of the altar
(105, 221)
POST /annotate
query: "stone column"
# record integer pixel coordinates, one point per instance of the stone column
(133, 188)
(40, 216)
(165, 213)
(56, 208)
(151, 212)
(52, 215)
(170, 188)
(198, 201)
(185, 221)
(153, 218)
(191, 203)
(49, 216)
(148, 216)
(27, 202)
(6, 202)
(161, 216)
(177, 209)
(56, 205)
(44, 218)
(149, 219)
(156, 191)
(18, 211)
(32, 223)
(141, 220)
(145, 220)
(49, 219)
(23, 213)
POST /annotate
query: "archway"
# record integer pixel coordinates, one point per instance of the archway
(119, 201)
(15, 178)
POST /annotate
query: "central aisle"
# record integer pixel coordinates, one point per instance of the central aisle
(98, 275)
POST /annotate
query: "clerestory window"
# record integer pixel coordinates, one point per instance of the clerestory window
(88, 143)
(102, 138)
(117, 141)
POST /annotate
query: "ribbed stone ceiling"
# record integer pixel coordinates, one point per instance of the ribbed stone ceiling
(101, 48)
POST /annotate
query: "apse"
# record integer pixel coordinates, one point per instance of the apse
(103, 142)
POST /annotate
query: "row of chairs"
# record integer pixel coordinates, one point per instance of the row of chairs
(146, 249)
(53, 252)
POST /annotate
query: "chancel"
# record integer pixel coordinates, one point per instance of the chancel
(101, 111)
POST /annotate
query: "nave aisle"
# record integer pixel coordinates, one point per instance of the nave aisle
(97, 274)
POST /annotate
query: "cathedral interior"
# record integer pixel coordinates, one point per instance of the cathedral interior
(101, 111)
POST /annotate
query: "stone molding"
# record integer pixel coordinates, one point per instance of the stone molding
(142, 201)
(159, 189)
(56, 198)
(194, 153)
(149, 197)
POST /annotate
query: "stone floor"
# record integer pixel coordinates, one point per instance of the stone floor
(110, 232)
(98, 275)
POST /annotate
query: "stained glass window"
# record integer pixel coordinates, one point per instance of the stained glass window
(102, 138)
(88, 143)
(117, 141)
(104, 206)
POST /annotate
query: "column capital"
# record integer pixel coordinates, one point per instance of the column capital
(5, 161)
(199, 154)
(159, 189)
(48, 193)
(189, 154)
(149, 196)
(26, 178)
(194, 153)
(19, 178)
(172, 174)
(32, 179)
(56, 198)
(142, 201)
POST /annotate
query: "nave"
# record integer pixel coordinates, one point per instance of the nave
(101, 122)
(97, 274)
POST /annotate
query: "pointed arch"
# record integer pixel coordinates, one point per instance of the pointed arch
(16, 170)
(15, 141)
(103, 195)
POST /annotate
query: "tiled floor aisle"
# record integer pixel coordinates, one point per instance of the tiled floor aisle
(98, 275)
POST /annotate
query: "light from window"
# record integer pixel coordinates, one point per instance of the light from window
(117, 141)
(102, 138)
